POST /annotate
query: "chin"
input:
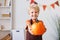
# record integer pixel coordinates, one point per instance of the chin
(34, 18)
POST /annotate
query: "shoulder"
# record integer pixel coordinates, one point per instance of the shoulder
(41, 21)
(27, 20)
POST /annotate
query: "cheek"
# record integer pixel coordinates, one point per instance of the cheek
(37, 14)
(31, 14)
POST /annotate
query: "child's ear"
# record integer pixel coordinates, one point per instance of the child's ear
(28, 13)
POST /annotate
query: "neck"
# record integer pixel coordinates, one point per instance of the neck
(34, 20)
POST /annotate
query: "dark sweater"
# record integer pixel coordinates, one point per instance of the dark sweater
(32, 37)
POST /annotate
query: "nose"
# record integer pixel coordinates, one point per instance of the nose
(34, 13)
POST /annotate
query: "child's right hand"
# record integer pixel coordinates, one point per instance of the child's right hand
(29, 26)
(28, 23)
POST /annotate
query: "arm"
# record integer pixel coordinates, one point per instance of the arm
(28, 27)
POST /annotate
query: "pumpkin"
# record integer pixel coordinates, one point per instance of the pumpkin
(38, 28)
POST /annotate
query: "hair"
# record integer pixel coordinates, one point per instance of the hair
(36, 7)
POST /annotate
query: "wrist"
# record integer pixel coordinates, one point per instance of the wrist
(29, 25)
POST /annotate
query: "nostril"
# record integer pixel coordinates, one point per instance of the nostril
(32, 15)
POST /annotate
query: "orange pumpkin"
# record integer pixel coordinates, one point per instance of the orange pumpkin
(38, 28)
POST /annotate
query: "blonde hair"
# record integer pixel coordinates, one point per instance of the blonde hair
(36, 7)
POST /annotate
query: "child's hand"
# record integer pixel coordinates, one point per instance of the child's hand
(28, 23)
(29, 26)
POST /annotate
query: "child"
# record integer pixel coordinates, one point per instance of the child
(33, 12)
